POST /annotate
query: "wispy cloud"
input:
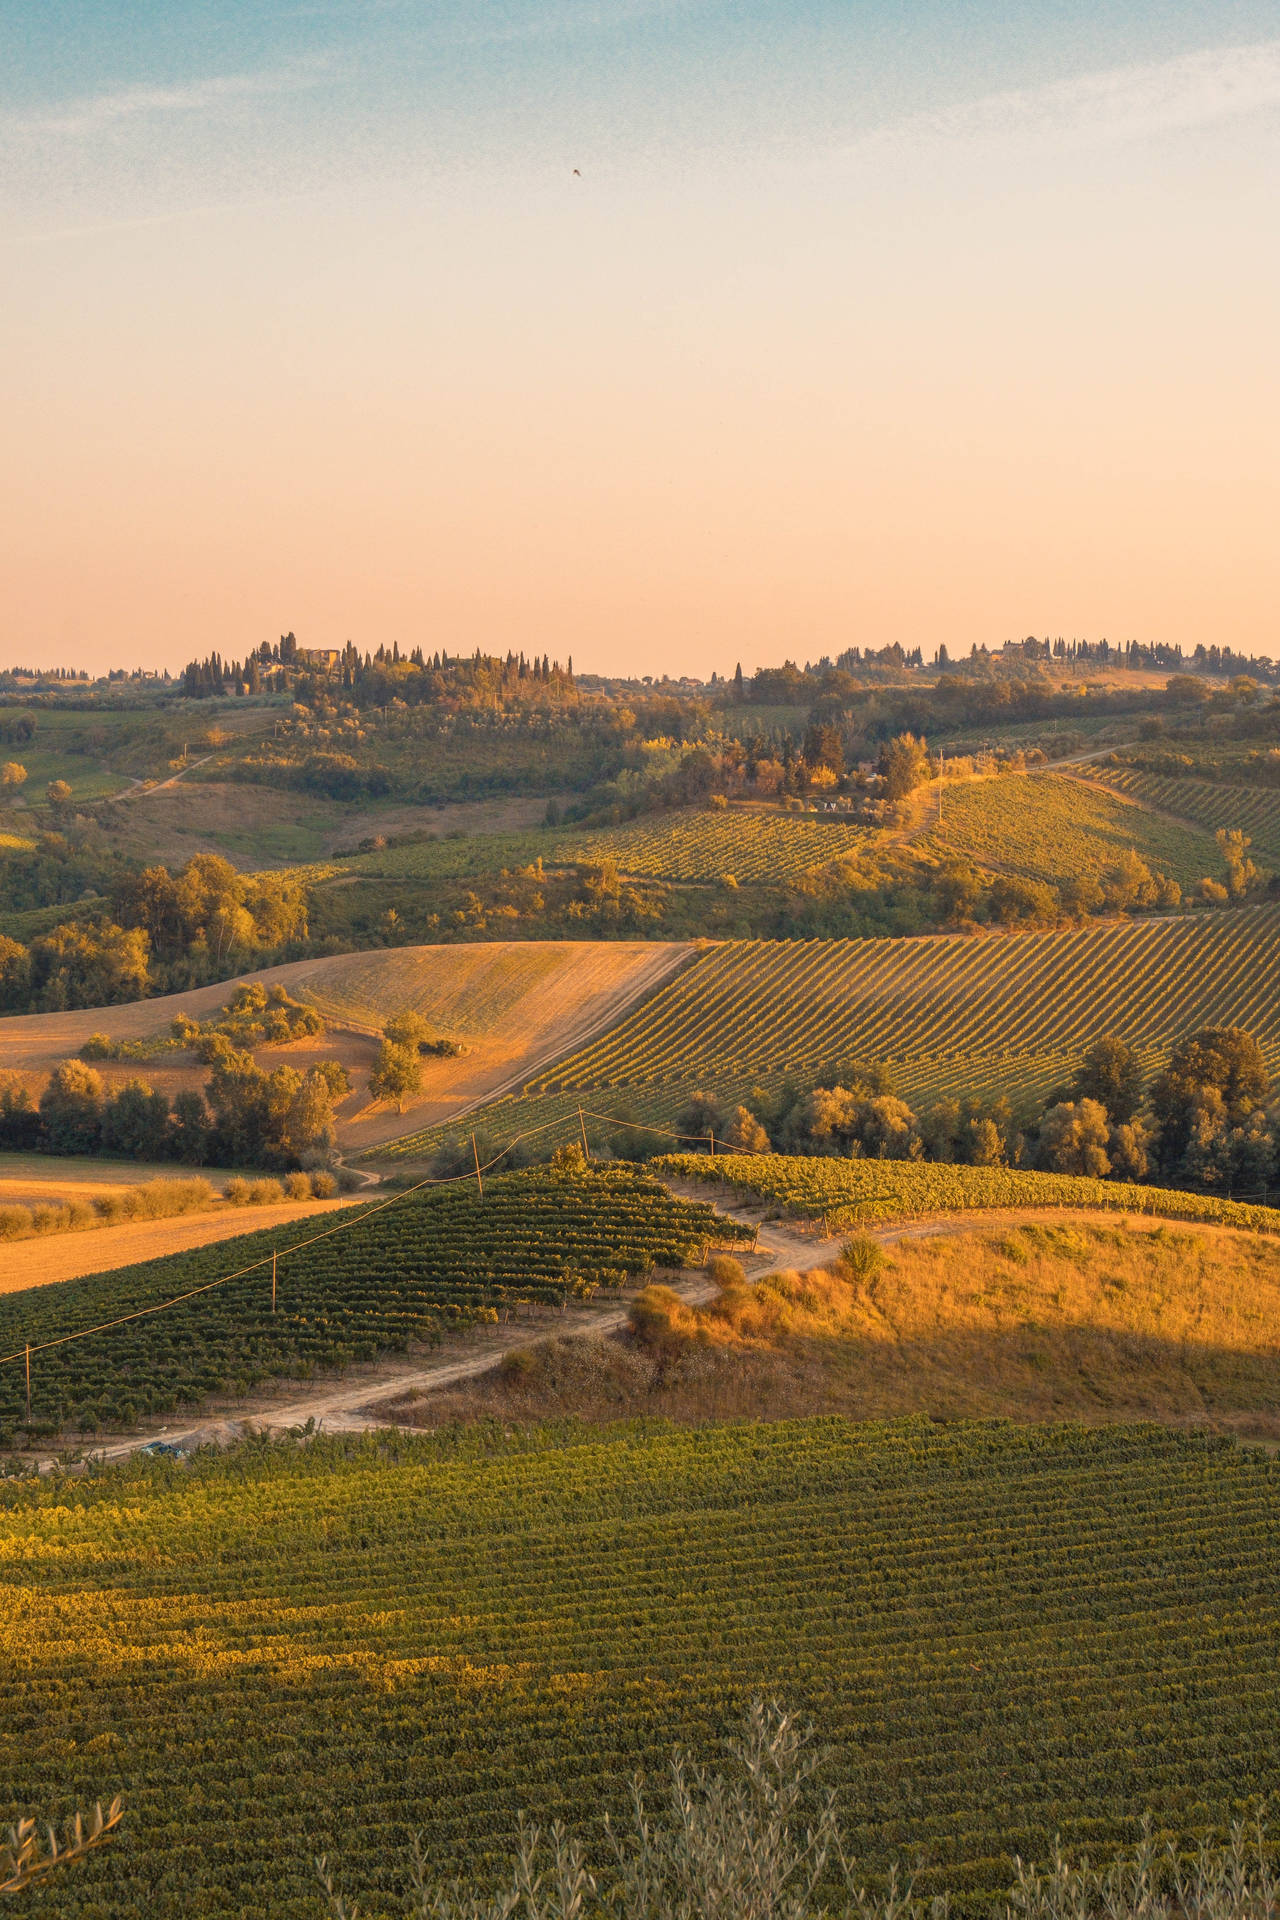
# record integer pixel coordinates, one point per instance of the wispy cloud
(1094, 109)
(98, 113)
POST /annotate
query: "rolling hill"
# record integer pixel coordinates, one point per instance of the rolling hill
(512, 1006)
(950, 1014)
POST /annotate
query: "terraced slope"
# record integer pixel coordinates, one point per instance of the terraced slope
(1211, 803)
(1001, 1633)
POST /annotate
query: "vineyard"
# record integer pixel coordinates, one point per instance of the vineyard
(858, 1193)
(1253, 810)
(1001, 1632)
(689, 846)
(752, 846)
(368, 1281)
(1048, 827)
(753, 1009)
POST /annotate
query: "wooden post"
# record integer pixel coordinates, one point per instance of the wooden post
(475, 1154)
(28, 1381)
(586, 1151)
(273, 1279)
(713, 1143)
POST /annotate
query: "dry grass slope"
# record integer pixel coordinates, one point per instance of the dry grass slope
(1039, 1321)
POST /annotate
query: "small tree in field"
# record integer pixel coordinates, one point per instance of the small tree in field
(397, 1074)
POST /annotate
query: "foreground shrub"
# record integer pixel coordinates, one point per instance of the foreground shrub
(765, 1843)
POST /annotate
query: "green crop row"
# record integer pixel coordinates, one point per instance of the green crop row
(368, 1281)
(1050, 827)
(746, 1009)
(853, 1193)
(1253, 810)
(1001, 1634)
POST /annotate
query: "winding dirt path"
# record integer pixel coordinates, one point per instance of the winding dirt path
(363, 1398)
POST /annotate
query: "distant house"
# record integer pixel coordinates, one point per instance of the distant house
(325, 657)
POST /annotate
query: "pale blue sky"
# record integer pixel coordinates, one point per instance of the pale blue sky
(861, 322)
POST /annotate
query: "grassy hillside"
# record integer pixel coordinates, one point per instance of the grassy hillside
(1072, 1318)
(374, 1279)
(1051, 827)
(1001, 1633)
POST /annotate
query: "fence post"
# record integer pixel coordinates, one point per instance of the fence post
(475, 1154)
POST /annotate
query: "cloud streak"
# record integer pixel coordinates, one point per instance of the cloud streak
(1116, 105)
(99, 113)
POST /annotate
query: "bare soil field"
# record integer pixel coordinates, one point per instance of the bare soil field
(513, 1006)
(68, 1256)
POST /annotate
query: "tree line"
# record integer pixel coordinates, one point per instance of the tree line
(1210, 1118)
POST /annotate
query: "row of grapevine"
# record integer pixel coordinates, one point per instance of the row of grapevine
(691, 845)
(750, 845)
(1211, 803)
(857, 1193)
(1053, 827)
(1001, 1633)
(372, 1281)
(754, 1008)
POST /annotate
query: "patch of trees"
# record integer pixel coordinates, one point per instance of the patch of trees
(246, 1116)
(164, 932)
(1209, 1119)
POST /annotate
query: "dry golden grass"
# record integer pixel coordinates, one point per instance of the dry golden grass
(1054, 1321)
(69, 1256)
(513, 1005)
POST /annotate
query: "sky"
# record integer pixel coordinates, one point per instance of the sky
(667, 334)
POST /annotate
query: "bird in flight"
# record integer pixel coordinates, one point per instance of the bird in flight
(578, 172)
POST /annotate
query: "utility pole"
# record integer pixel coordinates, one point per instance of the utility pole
(273, 1279)
(28, 1382)
(582, 1126)
(475, 1154)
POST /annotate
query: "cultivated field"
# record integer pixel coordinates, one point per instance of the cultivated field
(377, 1279)
(1001, 1633)
(848, 1194)
(1007, 1008)
(43, 1262)
(753, 846)
(512, 1006)
(1211, 803)
(1052, 827)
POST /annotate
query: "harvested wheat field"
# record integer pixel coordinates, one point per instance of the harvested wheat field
(69, 1256)
(514, 1007)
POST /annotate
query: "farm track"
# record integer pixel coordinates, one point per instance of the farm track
(366, 1398)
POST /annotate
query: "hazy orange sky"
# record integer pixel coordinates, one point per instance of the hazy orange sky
(855, 325)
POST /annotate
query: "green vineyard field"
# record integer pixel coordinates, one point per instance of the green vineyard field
(847, 1194)
(1001, 1633)
(1050, 827)
(752, 846)
(396, 1276)
(951, 1014)
(1212, 804)
(758, 1007)
(690, 846)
